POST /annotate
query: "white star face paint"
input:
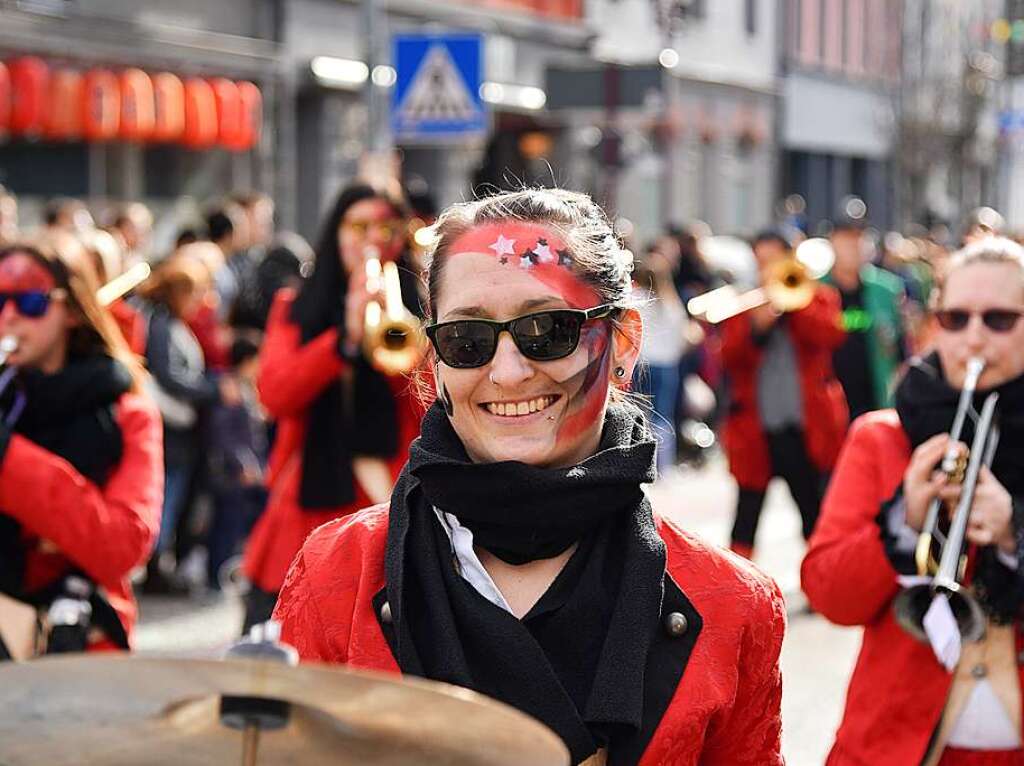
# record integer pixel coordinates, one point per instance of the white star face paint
(503, 246)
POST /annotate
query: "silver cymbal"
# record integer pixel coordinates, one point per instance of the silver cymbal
(117, 710)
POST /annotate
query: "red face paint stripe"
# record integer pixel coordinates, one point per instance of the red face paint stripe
(532, 247)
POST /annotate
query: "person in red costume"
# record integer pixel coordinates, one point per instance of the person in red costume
(787, 413)
(519, 556)
(343, 427)
(903, 706)
(81, 466)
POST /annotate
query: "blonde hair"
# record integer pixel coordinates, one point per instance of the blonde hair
(996, 250)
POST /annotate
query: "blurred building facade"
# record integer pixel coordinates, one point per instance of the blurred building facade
(841, 67)
(947, 129)
(668, 111)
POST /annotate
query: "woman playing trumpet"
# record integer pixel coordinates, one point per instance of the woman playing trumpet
(80, 453)
(344, 427)
(903, 706)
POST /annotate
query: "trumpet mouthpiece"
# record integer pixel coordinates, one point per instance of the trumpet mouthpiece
(975, 366)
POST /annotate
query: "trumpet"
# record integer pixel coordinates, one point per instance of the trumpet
(947, 566)
(393, 338)
(788, 285)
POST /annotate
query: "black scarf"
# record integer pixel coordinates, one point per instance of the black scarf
(926, 405)
(577, 660)
(355, 415)
(70, 414)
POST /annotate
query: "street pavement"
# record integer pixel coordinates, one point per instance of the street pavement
(816, 658)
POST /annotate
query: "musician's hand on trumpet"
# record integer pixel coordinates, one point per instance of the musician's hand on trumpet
(991, 519)
(356, 299)
(923, 481)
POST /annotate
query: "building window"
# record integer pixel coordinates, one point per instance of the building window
(751, 17)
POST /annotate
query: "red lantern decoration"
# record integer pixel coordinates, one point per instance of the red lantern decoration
(200, 114)
(138, 106)
(252, 116)
(5, 99)
(64, 115)
(101, 105)
(229, 111)
(169, 107)
(29, 80)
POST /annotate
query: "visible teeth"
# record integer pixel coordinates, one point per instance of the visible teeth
(516, 409)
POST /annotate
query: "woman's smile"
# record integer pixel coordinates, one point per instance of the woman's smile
(520, 409)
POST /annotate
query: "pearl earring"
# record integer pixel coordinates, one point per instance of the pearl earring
(620, 372)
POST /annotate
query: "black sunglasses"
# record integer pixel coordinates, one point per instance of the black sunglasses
(31, 303)
(998, 320)
(543, 336)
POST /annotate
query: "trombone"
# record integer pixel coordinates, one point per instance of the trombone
(788, 286)
(948, 565)
(393, 338)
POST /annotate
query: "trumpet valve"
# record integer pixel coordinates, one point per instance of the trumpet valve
(958, 470)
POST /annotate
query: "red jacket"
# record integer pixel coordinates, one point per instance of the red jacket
(898, 689)
(292, 375)
(815, 332)
(723, 712)
(67, 520)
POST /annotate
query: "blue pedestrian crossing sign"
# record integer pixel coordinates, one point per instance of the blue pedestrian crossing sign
(437, 90)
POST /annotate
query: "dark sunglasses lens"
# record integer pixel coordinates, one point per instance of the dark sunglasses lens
(32, 304)
(952, 319)
(465, 344)
(1000, 321)
(548, 335)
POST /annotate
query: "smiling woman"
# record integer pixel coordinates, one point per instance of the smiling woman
(568, 598)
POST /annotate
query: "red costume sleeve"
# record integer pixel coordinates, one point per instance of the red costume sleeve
(846, 574)
(302, 625)
(752, 733)
(819, 324)
(107, 533)
(293, 374)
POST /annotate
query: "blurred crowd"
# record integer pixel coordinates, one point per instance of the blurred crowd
(684, 376)
(197, 316)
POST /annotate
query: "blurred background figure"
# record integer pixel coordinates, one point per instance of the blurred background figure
(786, 414)
(181, 385)
(133, 224)
(982, 222)
(665, 342)
(237, 456)
(872, 318)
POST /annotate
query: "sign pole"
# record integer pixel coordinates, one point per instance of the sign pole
(378, 134)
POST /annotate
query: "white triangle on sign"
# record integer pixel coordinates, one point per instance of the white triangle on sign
(437, 93)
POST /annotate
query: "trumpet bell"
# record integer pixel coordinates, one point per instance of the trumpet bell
(394, 347)
(913, 603)
(788, 287)
(393, 338)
